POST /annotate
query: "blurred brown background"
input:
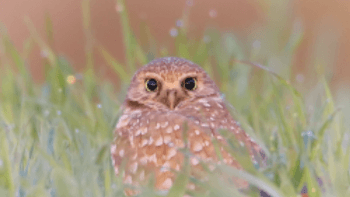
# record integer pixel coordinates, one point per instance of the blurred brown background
(161, 15)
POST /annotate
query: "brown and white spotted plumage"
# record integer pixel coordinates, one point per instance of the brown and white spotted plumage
(165, 96)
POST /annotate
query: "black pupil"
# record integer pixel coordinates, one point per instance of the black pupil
(152, 84)
(190, 83)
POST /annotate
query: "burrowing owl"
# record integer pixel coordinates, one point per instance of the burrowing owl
(167, 99)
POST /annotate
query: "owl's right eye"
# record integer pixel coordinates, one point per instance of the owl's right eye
(151, 85)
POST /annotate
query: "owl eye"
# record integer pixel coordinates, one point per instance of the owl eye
(190, 83)
(151, 85)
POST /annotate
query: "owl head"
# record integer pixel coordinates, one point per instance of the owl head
(168, 83)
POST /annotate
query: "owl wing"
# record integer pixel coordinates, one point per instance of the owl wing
(154, 141)
(213, 113)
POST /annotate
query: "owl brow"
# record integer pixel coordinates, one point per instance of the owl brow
(195, 76)
(148, 78)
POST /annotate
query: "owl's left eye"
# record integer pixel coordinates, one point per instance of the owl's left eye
(190, 83)
(151, 85)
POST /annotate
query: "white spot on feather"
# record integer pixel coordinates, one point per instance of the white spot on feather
(176, 127)
(150, 141)
(159, 141)
(123, 121)
(128, 180)
(116, 170)
(164, 124)
(197, 132)
(194, 161)
(144, 142)
(138, 132)
(133, 167)
(206, 104)
(143, 160)
(204, 125)
(167, 139)
(144, 131)
(167, 183)
(169, 130)
(197, 146)
(171, 153)
(121, 153)
(113, 148)
(165, 166)
(153, 158)
(142, 175)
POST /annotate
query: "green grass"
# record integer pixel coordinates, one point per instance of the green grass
(55, 136)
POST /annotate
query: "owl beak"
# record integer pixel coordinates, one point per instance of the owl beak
(172, 99)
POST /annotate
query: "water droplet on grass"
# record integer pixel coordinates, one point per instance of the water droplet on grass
(10, 126)
(213, 13)
(119, 8)
(308, 136)
(44, 53)
(179, 23)
(206, 39)
(79, 76)
(300, 78)
(173, 32)
(257, 44)
(71, 79)
(189, 3)
(308, 133)
(46, 112)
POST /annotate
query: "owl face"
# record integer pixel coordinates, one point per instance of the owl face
(167, 84)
